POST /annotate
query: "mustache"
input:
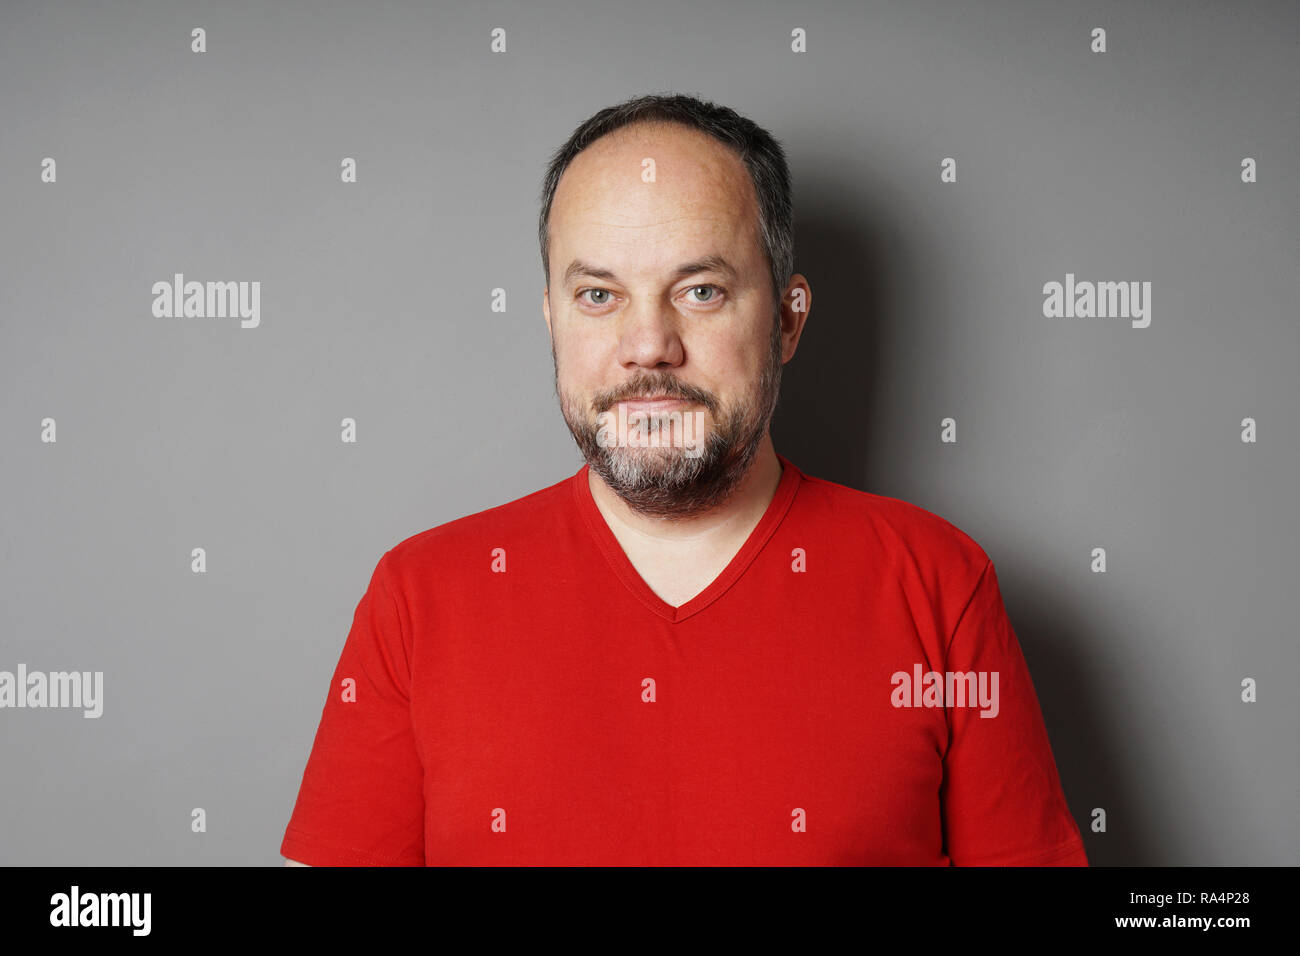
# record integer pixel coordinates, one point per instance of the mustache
(645, 387)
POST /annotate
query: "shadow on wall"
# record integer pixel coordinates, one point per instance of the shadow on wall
(830, 389)
(1073, 696)
(832, 377)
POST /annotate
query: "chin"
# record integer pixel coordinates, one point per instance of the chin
(640, 465)
(649, 458)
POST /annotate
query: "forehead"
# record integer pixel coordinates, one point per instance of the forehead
(701, 199)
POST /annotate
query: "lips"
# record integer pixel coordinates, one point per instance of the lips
(654, 401)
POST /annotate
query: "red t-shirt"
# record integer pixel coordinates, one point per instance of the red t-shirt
(513, 693)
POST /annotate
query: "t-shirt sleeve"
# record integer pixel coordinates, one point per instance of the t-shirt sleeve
(1002, 799)
(361, 802)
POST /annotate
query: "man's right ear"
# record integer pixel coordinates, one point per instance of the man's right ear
(546, 307)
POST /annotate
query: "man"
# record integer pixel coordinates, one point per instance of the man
(689, 652)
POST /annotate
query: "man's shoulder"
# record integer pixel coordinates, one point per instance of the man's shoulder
(537, 514)
(900, 527)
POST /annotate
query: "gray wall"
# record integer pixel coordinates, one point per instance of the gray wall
(1073, 434)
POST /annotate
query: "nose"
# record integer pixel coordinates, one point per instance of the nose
(649, 337)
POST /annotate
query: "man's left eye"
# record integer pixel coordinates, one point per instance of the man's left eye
(712, 289)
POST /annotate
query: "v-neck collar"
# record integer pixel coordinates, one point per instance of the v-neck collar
(627, 573)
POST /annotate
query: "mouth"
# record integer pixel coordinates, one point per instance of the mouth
(654, 402)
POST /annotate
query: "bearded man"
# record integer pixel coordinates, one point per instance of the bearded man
(690, 651)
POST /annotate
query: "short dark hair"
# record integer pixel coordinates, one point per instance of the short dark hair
(761, 153)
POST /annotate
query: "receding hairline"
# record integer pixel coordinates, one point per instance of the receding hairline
(744, 178)
(762, 156)
(644, 129)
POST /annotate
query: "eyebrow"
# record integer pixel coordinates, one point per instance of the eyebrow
(708, 264)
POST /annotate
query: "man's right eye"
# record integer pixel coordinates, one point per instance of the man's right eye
(604, 292)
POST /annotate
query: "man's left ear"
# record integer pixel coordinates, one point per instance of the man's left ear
(795, 308)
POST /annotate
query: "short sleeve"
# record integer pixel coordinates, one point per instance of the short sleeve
(361, 801)
(1001, 796)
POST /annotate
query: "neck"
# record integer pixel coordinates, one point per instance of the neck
(738, 514)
